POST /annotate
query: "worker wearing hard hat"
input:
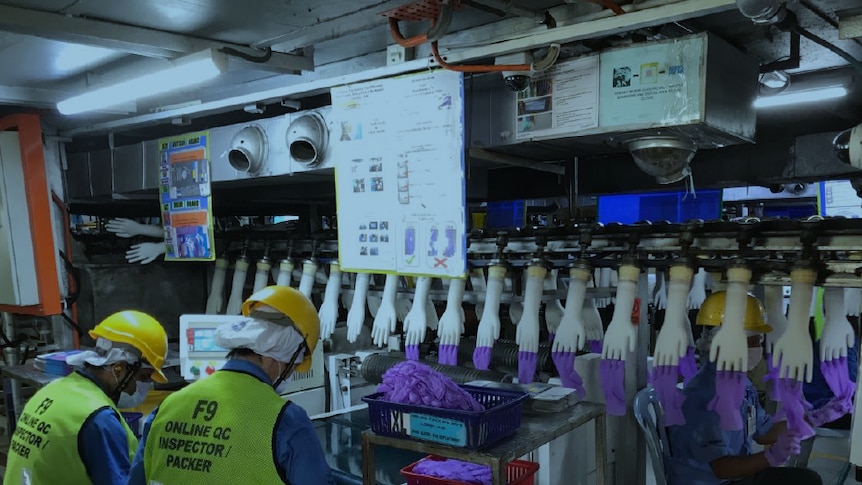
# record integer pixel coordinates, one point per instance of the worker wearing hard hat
(233, 426)
(70, 431)
(702, 453)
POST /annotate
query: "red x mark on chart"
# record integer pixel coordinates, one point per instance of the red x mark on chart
(440, 262)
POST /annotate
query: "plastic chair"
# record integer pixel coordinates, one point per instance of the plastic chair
(650, 417)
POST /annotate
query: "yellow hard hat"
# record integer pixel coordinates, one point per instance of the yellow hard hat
(140, 331)
(297, 307)
(711, 313)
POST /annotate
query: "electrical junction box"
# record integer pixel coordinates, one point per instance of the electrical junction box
(18, 284)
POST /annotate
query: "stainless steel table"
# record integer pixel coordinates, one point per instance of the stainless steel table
(536, 430)
(28, 374)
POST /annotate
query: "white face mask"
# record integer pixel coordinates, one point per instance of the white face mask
(754, 357)
(134, 400)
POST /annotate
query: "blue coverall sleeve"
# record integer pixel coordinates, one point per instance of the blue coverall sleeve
(137, 475)
(298, 449)
(104, 448)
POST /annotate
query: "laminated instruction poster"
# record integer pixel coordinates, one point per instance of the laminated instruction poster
(657, 83)
(562, 99)
(838, 198)
(186, 202)
(399, 151)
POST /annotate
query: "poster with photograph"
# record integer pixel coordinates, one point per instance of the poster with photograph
(653, 83)
(563, 99)
(400, 174)
(184, 193)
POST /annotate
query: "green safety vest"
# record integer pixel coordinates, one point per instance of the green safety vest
(44, 446)
(218, 430)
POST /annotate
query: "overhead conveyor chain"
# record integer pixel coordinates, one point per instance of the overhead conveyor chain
(770, 247)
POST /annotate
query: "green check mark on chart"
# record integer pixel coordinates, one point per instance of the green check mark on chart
(410, 259)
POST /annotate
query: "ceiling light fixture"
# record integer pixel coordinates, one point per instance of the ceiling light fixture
(799, 97)
(186, 71)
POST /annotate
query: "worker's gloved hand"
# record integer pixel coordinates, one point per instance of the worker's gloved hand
(727, 402)
(448, 354)
(565, 364)
(830, 412)
(482, 357)
(687, 365)
(787, 445)
(794, 407)
(145, 253)
(412, 351)
(612, 374)
(595, 346)
(771, 378)
(526, 366)
(664, 379)
(837, 376)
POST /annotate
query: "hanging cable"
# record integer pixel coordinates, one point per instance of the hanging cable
(824, 43)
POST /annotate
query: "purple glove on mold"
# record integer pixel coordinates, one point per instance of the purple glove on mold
(794, 407)
(664, 379)
(687, 365)
(411, 382)
(612, 374)
(412, 352)
(551, 336)
(595, 346)
(837, 376)
(727, 402)
(565, 364)
(448, 355)
(482, 358)
(527, 362)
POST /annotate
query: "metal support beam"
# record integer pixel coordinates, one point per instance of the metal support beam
(35, 97)
(372, 66)
(850, 26)
(486, 155)
(131, 39)
(337, 19)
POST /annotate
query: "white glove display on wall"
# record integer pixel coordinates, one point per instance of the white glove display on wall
(143, 253)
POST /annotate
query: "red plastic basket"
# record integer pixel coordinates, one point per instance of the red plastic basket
(474, 430)
(518, 472)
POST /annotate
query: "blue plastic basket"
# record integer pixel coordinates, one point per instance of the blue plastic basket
(474, 430)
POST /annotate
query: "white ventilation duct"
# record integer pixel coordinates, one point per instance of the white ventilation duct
(248, 150)
(664, 157)
(308, 139)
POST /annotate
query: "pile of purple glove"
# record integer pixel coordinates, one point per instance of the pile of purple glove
(413, 383)
(456, 470)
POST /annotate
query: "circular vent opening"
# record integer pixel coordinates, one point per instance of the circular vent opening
(303, 151)
(238, 160)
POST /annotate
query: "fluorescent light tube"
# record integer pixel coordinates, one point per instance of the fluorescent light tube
(188, 71)
(800, 97)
